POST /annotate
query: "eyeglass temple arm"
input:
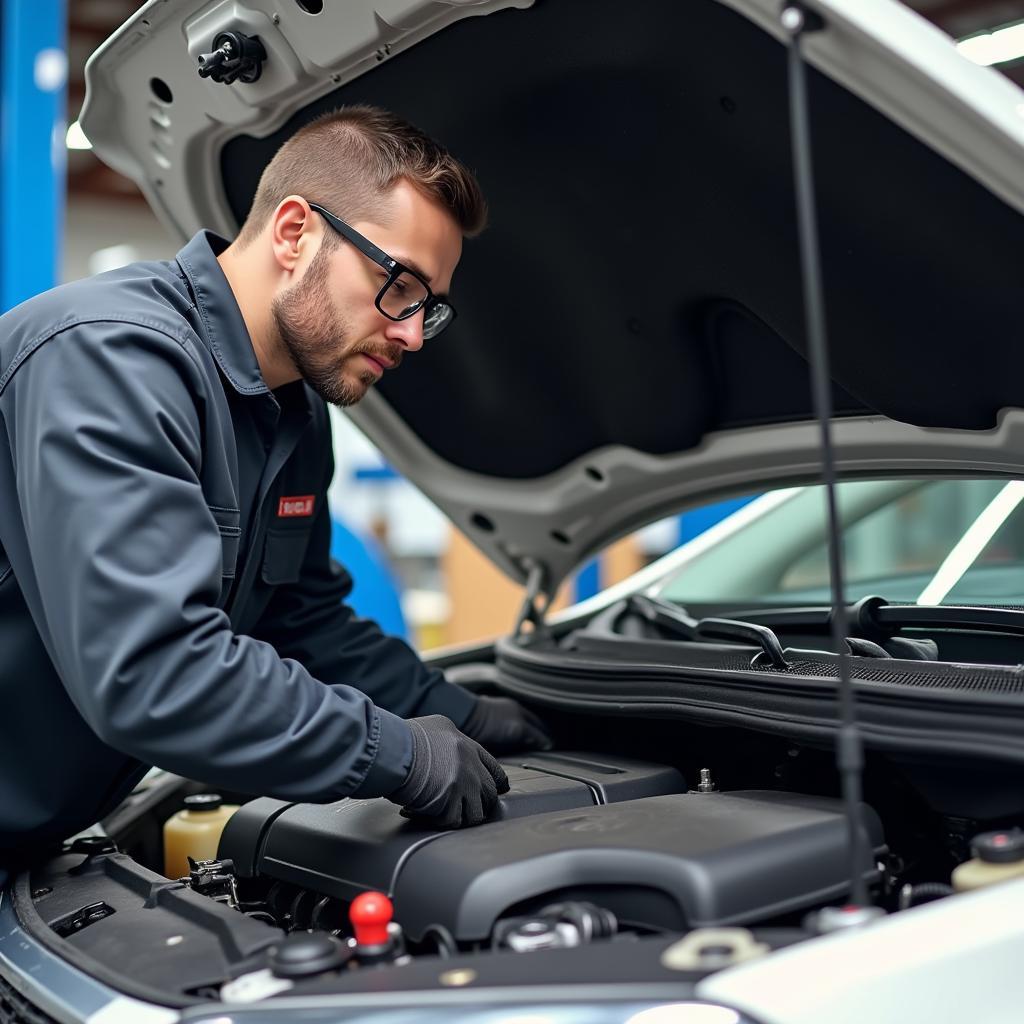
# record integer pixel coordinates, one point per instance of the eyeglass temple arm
(363, 244)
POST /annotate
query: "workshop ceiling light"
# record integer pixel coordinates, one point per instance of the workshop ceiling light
(76, 138)
(997, 47)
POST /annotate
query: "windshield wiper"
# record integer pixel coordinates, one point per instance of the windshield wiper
(675, 620)
(874, 618)
(756, 629)
(874, 615)
(664, 614)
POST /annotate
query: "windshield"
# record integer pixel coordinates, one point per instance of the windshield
(924, 541)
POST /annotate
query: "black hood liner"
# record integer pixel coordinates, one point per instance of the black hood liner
(639, 283)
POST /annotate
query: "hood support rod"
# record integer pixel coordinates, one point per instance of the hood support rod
(797, 21)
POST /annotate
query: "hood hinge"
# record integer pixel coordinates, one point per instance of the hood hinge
(536, 579)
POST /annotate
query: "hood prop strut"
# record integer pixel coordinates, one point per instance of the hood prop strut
(797, 21)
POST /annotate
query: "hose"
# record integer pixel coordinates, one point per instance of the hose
(443, 939)
(923, 892)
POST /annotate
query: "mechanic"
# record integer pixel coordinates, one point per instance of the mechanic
(166, 591)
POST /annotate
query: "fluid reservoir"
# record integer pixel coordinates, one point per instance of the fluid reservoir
(194, 832)
(998, 856)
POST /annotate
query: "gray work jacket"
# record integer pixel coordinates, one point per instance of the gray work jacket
(166, 591)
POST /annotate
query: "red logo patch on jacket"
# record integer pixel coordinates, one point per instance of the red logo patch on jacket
(296, 505)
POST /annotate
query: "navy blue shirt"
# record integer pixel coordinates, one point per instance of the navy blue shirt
(167, 595)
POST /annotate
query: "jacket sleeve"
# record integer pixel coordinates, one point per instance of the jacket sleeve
(127, 560)
(310, 622)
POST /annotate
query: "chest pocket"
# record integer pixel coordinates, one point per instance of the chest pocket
(229, 525)
(283, 553)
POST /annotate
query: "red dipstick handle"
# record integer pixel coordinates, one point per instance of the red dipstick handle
(370, 914)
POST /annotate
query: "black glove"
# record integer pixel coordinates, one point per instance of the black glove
(503, 726)
(453, 781)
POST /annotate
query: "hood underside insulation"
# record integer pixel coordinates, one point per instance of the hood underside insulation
(639, 282)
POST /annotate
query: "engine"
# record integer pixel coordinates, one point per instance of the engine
(581, 846)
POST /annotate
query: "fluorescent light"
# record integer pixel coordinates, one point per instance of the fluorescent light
(994, 47)
(75, 138)
(972, 543)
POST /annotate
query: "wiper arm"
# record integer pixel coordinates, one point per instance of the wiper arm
(874, 618)
(746, 632)
(665, 615)
(675, 620)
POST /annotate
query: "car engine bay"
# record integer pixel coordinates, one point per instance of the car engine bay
(720, 845)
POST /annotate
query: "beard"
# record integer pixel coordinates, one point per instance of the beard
(319, 340)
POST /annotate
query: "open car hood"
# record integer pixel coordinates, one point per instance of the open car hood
(630, 334)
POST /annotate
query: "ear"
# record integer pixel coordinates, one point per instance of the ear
(294, 232)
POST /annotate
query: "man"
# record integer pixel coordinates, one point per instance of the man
(166, 592)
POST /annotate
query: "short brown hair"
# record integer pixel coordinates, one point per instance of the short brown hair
(347, 159)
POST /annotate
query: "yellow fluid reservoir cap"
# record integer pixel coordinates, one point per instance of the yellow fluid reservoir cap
(1003, 847)
(203, 802)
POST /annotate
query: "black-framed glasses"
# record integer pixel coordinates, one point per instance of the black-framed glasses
(405, 292)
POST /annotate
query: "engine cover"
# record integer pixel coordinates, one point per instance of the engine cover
(621, 833)
(348, 847)
(676, 862)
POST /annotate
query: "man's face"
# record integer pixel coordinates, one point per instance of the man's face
(338, 340)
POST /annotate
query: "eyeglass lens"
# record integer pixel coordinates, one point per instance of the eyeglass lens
(405, 295)
(438, 317)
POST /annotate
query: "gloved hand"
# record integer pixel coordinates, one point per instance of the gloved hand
(503, 726)
(453, 781)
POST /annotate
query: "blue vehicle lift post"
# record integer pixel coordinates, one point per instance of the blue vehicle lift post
(33, 80)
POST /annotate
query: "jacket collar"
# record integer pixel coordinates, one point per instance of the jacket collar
(224, 329)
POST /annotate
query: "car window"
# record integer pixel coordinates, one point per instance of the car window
(933, 541)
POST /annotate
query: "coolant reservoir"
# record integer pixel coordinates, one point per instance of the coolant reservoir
(194, 832)
(998, 856)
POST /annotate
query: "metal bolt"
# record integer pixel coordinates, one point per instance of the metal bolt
(706, 784)
(793, 19)
(457, 978)
(837, 919)
(276, 18)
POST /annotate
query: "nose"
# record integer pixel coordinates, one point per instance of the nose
(408, 333)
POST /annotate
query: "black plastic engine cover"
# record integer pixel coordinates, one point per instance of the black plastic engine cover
(621, 833)
(351, 846)
(679, 861)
